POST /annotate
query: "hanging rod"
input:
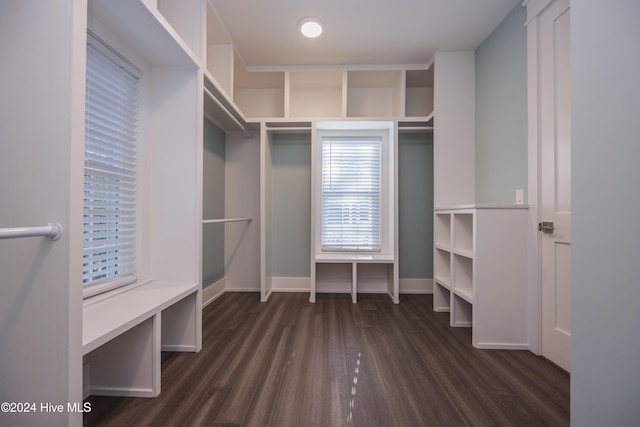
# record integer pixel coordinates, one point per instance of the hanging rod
(217, 221)
(228, 113)
(52, 231)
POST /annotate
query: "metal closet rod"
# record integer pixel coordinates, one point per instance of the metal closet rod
(217, 221)
(52, 231)
(228, 113)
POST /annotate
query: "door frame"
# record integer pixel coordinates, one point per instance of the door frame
(534, 259)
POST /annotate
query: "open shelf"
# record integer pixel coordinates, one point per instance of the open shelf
(418, 93)
(462, 272)
(442, 229)
(442, 266)
(185, 18)
(143, 29)
(463, 231)
(315, 94)
(373, 93)
(259, 95)
(441, 298)
(465, 293)
(461, 312)
(219, 53)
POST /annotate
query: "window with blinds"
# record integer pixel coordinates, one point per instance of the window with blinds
(351, 194)
(109, 233)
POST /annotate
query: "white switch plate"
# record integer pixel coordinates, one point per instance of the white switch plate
(519, 197)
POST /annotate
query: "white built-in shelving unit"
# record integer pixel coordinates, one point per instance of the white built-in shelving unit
(163, 310)
(333, 94)
(253, 107)
(480, 271)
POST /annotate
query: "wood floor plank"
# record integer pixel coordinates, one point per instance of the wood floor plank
(287, 362)
(439, 409)
(289, 406)
(246, 369)
(261, 409)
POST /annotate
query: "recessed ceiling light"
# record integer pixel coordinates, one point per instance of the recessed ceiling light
(310, 27)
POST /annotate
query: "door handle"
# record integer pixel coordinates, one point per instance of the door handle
(546, 226)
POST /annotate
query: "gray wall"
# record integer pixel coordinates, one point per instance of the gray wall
(501, 111)
(415, 205)
(291, 224)
(213, 204)
(605, 361)
(291, 207)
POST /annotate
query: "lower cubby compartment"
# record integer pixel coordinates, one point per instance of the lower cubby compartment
(461, 312)
(333, 277)
(127, 365)
(374, 278)
(371, 278)
(441, 298)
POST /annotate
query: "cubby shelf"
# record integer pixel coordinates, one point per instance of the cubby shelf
(346, 94)
(480, 271)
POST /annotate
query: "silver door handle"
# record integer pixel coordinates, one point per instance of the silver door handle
(546, 226)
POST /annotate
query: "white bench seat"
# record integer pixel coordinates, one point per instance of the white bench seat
(123, 335)
(356, 259)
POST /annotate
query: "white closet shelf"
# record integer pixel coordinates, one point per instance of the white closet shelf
(445, 282)
(467, 253)
(223, 220)
(464, 293)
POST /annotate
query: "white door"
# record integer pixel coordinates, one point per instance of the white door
(555, 183)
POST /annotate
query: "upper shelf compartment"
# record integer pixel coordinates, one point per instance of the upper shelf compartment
(316, 94)
(220, 53)
(185, 16)
(374, 93)
(258, 94)
(145, 29)
(419, 93)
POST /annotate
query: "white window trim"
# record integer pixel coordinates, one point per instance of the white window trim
(384, 130)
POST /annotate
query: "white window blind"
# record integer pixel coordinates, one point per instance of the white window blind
(109, 233)
(351, 194)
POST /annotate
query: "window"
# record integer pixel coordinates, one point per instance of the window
(109, 230)
(351, 193)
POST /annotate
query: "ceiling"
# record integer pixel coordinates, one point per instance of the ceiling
(356, 32)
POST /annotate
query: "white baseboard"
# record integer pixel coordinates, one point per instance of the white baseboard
(303, 284)
(290, 284)
(179, 348)
(416, 286)
(213, 292)
(122, 392)
(501, 346)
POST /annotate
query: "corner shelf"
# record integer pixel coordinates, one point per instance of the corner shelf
(259, 95)
(418, 89)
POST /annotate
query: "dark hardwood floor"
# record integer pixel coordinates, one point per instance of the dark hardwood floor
(287, 362)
